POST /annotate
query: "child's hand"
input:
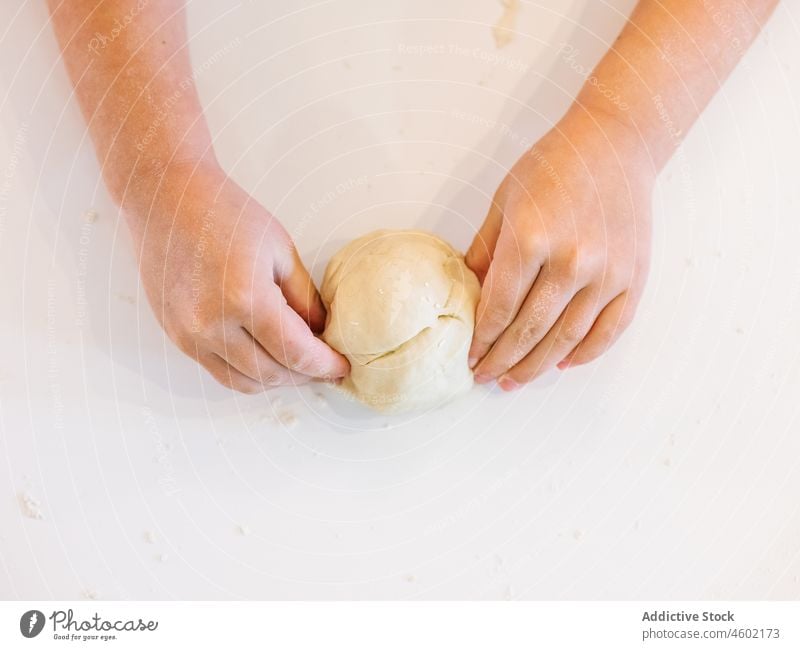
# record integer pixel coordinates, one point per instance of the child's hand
(226, 282)
(564, 251)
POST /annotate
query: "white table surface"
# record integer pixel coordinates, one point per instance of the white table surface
(668, 469)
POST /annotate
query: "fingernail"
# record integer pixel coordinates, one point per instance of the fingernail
(563, 365)
(472, 362)
(508, 384)
(482, 379)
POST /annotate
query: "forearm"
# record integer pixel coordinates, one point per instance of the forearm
(129, 63)
(667, 64)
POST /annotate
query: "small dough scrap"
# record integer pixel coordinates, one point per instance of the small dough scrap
(503, 31)
(401, 308)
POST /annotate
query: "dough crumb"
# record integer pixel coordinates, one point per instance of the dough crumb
(31, 508)
(243, 530)
(163, 557)
(286, 418)
(320, 399)
(126, 298)
(90, 216)
(503, 30)
(577, 535)
(411, 578)
(149, 537)
(90, 594)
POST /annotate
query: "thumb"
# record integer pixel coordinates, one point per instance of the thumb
(480, 253)
(299, 290)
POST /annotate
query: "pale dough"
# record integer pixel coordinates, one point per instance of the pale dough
(503, 31)
(401, 308)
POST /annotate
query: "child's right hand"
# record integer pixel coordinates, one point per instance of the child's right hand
(225, 281)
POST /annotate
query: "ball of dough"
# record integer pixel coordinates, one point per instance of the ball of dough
(401, 308)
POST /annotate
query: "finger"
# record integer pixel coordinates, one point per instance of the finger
(229, 376)
(607, 328)
(545, 302)
(247, 355)
(479, 255)
(568, 331)
(288, 339)
(299, 290)
(510, 276)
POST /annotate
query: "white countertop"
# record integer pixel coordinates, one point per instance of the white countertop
(668, 469)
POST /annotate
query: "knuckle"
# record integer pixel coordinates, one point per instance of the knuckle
(524, 338)
(520, 248)
(271, 379)
(520, 350)
(534, 326)
(300, 360)
(530, 248)
(494, 319)
(496, 314)
(569, 335)
(224, 377)
(535, 322)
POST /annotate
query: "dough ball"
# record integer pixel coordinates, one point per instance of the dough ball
(401, 308)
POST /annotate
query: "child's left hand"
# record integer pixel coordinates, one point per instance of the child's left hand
(564, 251)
